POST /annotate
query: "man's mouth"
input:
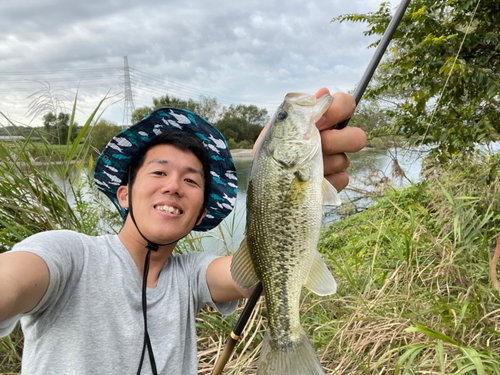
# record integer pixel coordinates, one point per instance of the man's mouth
(169, 209)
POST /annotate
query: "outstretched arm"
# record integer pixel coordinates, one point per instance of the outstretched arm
(221, 284)
(24, 278)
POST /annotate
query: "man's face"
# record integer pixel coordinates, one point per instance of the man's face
(167, 195)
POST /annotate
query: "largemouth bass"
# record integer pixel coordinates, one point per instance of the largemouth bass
(285, 198)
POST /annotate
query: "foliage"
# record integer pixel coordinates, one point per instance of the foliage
(415, 294)
(57, 128)
(100, 134)
(7, 131)
(446, 73)
(41, 194)
(371, 117)
(241, 123)
(206, 107)
(233, 145)
(140, 113)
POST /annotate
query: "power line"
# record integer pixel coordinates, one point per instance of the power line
(57, 71)
(61, 79)
(183, 86)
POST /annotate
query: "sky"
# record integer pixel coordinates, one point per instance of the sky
(248, 52)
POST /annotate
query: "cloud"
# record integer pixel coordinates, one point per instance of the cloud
(251, 52)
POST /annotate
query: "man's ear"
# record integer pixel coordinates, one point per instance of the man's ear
(122, 195)
(202, 215)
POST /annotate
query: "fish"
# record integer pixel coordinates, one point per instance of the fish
(285, 197)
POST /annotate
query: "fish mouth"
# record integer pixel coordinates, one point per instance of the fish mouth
(169, 209)
(318, 105)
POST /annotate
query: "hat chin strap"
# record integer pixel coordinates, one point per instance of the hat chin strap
(150, 246)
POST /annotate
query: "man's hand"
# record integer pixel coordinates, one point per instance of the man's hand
(335, 143)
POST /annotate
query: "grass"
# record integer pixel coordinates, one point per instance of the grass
(415, 295)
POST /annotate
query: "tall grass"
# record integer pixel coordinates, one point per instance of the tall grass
(415, 296)
(38, 194)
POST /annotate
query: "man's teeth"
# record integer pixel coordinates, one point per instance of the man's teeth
(169, 209)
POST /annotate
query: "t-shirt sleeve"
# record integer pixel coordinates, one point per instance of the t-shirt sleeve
(7, 326)
(62, 252)
(200, 262)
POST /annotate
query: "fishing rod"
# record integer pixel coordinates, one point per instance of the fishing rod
(238, 328)
(372, 66)
(358, 93)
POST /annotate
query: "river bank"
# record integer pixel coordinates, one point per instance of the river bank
(242, 154)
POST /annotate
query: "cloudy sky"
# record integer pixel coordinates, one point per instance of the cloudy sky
(251, 52)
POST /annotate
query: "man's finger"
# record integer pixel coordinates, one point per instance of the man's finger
(335, 163)
(342, 108)
(338, 180)
(349, 139)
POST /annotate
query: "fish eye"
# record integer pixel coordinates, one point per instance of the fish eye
(282, 115)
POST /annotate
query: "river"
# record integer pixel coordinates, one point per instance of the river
(374, 163)
(364, 164)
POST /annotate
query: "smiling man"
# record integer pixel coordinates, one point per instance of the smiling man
(126, 304)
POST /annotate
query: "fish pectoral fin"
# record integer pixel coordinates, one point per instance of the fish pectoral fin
(330, 194)
(242, 269)
(320, 280)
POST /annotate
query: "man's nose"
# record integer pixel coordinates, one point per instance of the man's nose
(172, 185)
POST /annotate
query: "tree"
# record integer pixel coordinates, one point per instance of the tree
(206, 107)
(447, 72)
(210, 109)
(140, 113)
(242, 122)
(238, 122)
(57, 128)
(101, 133)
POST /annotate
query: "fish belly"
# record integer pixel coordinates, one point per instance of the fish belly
(283, 235)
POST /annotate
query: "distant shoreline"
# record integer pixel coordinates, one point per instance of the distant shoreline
(240, 153)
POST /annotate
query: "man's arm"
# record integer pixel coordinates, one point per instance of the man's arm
(221, 284)
(24, 278)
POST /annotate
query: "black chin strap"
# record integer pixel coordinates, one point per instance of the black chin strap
(150, 246)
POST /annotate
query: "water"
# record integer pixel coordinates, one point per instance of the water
(374, 164)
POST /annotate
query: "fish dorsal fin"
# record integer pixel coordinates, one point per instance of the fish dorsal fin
(242, 269)
(330, 194)
(320, 280)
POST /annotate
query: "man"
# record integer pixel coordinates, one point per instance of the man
(80, 297)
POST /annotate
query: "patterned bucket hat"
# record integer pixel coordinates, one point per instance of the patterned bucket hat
(113, 163)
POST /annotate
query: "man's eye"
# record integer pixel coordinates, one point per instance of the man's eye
(191, 181)
(158, 173)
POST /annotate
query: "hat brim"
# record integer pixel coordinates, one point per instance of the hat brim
(113, 163)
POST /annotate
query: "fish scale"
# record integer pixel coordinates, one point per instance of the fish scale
(284, 209)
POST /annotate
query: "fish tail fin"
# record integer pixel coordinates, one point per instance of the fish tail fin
(295, 358)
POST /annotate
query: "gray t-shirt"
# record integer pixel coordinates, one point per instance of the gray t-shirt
(90, 319)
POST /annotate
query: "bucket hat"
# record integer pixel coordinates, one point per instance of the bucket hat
(113, 163)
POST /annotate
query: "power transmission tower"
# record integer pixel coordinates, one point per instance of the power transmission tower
(129, 107)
